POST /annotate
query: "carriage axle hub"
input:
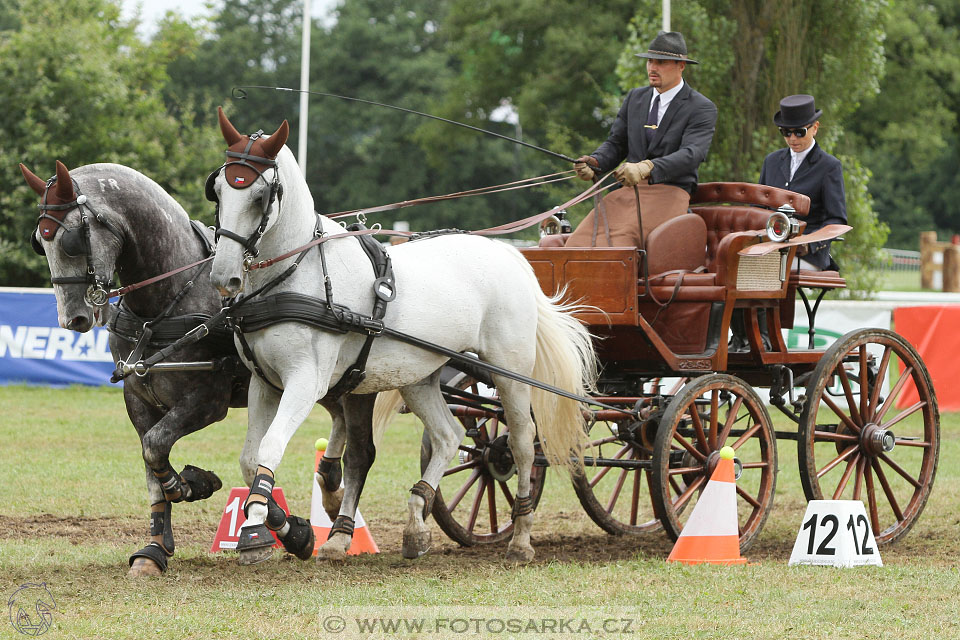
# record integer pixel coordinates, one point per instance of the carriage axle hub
(876, 440)
(498, 460)
(714, 459)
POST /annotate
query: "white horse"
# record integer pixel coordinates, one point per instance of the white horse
(463, 292)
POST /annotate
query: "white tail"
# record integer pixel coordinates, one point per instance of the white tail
(565, 359)
(384, 411)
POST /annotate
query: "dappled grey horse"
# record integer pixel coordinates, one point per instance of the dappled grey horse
(103, 219)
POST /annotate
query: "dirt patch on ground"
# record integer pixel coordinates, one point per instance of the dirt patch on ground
(557, 537)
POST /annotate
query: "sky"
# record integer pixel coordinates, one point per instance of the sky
(152, 10)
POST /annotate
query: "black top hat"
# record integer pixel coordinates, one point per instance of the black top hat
(668, 45)
(797, 111)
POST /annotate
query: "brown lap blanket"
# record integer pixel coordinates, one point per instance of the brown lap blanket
(658, 203)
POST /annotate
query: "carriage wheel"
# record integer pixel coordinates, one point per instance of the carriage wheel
(855, 441)
(475, 498)
(615, 494)
(709, 413)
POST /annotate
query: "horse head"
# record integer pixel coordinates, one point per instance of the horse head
(81, 254)
(245, 210)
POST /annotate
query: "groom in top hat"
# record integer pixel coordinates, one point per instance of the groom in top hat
(663, 131)
(806, 168)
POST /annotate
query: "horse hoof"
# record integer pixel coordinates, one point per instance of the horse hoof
(331, 501)
(331, 553)
(520, 555)
(144, 568)
(300, 539)
(202, 483)
(415, 544)
(255, 556)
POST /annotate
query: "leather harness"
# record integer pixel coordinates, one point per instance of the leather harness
(253, 315)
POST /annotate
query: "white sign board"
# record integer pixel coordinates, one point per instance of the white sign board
(836, 533)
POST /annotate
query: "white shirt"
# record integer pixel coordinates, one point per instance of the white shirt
(665, 99)
(797, 158)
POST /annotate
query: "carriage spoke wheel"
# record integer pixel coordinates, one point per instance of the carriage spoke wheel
(870, 430)
(614, 484)
(475, 498)
(709, 413)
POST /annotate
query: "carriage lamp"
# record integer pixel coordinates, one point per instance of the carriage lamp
(557, 223)
(781, 226)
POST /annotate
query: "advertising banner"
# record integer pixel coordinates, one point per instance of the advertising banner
(35, 350)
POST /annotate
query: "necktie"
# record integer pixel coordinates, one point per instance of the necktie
(651, 127)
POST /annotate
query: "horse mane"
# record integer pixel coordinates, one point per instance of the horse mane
(296, 193)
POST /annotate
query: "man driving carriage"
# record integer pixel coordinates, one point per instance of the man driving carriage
(663, 131)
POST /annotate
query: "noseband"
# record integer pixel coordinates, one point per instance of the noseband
(250, 243)
(75, 242)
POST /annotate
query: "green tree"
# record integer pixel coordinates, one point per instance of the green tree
(79, 86)
(908, 133)
(362, 155)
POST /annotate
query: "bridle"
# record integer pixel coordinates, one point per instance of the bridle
(251, 243)
(75, 242)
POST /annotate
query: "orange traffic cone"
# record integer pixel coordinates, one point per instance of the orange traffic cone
(362, 540)
(712, 535)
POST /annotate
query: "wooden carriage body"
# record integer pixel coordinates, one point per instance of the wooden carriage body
(689, 334)
(661, 315)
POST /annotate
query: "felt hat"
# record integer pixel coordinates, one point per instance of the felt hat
(668, 45)
(797, 111)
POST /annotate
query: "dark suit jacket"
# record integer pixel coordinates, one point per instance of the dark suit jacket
(819, 176)
(679, 145)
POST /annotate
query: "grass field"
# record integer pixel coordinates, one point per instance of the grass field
(73, 507)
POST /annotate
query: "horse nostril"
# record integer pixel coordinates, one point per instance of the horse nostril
(80, 324)
(235, 284)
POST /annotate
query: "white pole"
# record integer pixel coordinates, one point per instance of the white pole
(304, 86)
(666, 15)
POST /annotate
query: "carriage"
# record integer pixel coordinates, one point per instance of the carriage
(862, 411)
(669, 397)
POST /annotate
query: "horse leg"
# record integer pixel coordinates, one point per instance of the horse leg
(328, 474)
(195, 410)
(426, 402)
(262, 512)
(357, 459)
(515, 397)
(158, 433)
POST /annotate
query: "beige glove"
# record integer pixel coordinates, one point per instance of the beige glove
(584, 172)
(631, 173)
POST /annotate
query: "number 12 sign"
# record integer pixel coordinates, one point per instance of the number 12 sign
(836, 533)
(228, 532)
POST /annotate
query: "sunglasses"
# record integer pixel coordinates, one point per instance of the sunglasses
(799, 132)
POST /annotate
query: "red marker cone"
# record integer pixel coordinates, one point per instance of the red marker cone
(712, 534)
(362, 540)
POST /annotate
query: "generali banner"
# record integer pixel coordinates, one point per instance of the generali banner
(35, 350)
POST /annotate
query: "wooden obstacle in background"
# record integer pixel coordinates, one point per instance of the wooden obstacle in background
(949, 265)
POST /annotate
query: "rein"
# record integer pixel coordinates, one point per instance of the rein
(503, 229)
(482, 191)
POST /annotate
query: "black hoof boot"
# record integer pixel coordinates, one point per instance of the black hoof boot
(202, 483)
(300, 539)
(152, 552)
(256, 544)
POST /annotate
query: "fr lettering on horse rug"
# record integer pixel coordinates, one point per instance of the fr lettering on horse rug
(463, 292)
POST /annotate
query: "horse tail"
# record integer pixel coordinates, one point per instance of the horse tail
(384, 411)
(565, 359)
